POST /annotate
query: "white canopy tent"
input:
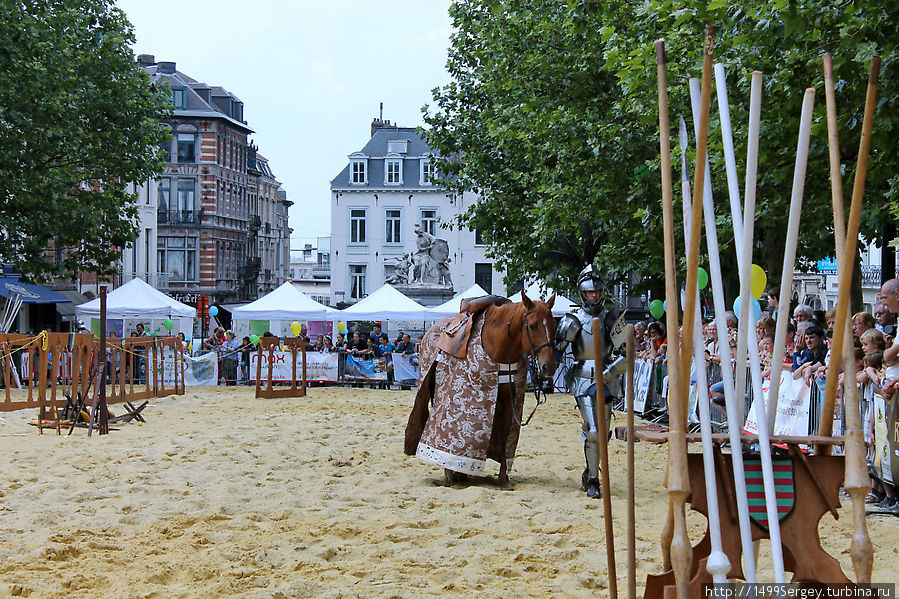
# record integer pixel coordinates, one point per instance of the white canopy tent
(136, 299)
(561, 306)
(451, 307)
(284, 303)
(385, 304)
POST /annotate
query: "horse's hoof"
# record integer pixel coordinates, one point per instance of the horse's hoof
(450, 477)
(592, 489)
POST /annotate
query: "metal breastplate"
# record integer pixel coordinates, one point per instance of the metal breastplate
(582, 347)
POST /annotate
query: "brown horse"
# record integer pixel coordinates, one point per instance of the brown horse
(476, 412)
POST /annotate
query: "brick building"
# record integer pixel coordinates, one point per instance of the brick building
(201, 220)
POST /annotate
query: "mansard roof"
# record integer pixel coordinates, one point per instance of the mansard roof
(375, 151)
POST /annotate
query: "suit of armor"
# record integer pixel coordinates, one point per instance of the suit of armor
(575, 335)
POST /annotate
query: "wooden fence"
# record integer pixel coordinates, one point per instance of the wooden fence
(64, 363)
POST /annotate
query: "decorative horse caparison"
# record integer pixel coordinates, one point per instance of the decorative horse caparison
(472, 378)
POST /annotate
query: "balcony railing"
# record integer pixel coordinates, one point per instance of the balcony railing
(321, 272)
(180, 218)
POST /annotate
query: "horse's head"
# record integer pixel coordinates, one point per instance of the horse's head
(538, 336)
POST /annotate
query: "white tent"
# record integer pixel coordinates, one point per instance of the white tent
(135, 299)
(385, 304)
(451, 307)
(561, 306)
(284, 303)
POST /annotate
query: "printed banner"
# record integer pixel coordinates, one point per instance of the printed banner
(319, 367)
(643, 370)
(370, 370)
(198, 371)
(882, 458)
(793, 407)
(405, 368)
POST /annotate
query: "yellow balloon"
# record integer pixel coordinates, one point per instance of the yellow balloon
(295, 328)
(758, 281)
(341, 326)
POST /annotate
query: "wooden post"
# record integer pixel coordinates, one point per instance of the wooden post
(603, 430)
(855, 479)
(677, 444)
(631, 495)
(99, 409)
(847, 264)
(681, 557)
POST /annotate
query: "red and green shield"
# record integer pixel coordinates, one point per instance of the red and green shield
(785, 491)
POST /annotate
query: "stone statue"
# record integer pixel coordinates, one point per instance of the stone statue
(401, 274)
(429, 263)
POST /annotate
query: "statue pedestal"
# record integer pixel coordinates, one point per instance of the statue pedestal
(427, 295)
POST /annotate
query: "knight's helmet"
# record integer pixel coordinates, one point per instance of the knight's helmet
(591, 280)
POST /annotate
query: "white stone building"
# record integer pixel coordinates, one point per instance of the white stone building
(376, 200)
(310, 270)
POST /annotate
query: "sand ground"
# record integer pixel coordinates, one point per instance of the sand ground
(221, 494)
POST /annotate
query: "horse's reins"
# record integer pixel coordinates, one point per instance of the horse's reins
(532, 366)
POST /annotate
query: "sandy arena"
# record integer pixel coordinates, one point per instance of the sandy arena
(220, 494)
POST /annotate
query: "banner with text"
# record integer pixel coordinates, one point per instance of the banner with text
(405, 368)
(369, 370)
(793, 407)
(198, 370)
(319, 367)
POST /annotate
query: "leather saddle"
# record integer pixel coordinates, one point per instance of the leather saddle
(454, 338)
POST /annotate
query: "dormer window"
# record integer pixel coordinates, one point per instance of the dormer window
(358, 175)
(179, 97)
(427, 172)
(397, 146)
(393, 171)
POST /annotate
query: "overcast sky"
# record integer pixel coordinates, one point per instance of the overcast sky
(311, 75)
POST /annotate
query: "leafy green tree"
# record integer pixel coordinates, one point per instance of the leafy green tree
(78, 122)
(552, 113)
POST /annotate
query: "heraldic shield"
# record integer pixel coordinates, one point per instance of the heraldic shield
(784, 486)
(439, 252)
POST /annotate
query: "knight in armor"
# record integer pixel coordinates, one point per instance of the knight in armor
(575, 335)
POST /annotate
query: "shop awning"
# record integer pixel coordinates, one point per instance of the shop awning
(30, 293)
(67, 311)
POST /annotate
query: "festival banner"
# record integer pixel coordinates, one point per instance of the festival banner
(793, 407)
(369, 370)
(882, 457)
(319, 366)
(405, 368)
(643, 370)
(198, 370)
(893, 436)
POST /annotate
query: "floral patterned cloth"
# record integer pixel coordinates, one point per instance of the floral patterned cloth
(457, 433)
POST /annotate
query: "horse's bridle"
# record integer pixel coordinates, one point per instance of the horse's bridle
(532, 366)
(527, 331)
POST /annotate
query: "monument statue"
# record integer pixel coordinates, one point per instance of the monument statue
(402, 270)
(427, 266)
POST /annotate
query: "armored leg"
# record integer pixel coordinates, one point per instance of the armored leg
(590, 435)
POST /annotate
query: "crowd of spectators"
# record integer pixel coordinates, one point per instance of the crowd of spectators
(807, 351)
(234, 355)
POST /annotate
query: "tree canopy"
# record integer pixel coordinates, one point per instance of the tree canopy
(79, 121)
(551, 116)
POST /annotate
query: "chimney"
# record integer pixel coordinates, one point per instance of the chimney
(147, 60)
(165, 67)
(378, 122)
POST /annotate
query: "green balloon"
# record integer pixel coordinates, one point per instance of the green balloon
(702, 277)
(254, 339)
(656, 308)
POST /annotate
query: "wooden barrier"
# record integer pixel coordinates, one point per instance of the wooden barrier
(60, 364)
(271, 344)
